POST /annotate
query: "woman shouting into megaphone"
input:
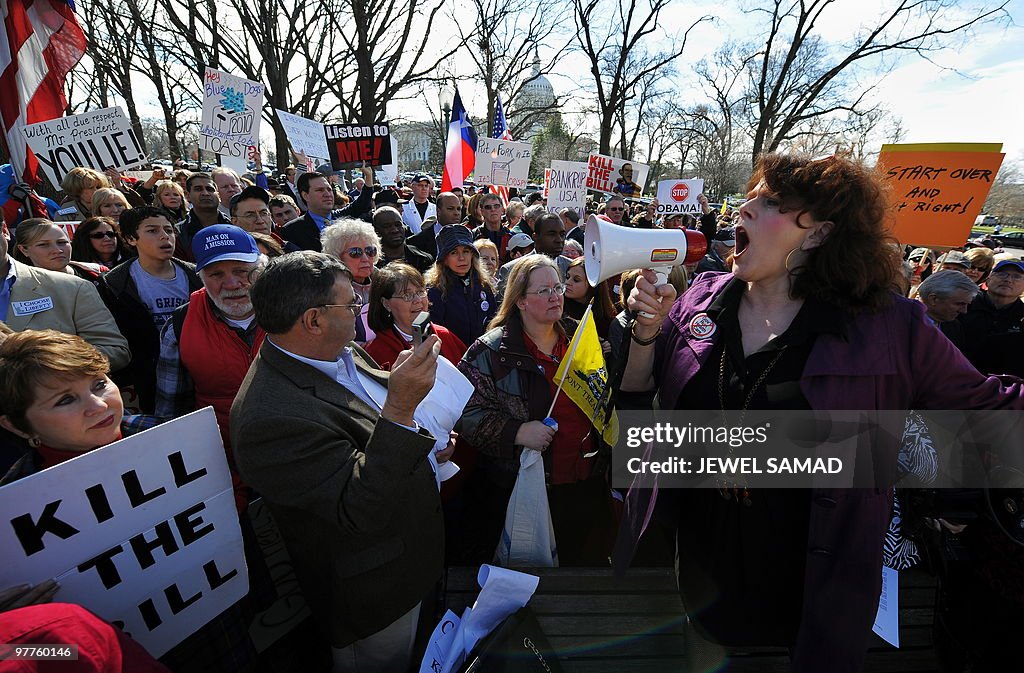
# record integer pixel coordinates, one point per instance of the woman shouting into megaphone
(806, 319)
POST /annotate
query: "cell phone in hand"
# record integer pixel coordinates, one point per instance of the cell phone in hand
(421, 328)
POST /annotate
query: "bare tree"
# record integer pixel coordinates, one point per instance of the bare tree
(112, 45)
(613, 35)
(796, 77)
(281, 53)
(558, 140)
(383, 58)
(505, 36)
(1006, 198)
(655, 127)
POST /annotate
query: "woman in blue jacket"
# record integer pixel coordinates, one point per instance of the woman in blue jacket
(460, 292)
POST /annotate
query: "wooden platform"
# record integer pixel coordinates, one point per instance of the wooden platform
(598, 624)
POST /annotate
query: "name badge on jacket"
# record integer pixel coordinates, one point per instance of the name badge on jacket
(33, 306)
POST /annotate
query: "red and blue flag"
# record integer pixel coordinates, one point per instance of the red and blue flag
(460, 150)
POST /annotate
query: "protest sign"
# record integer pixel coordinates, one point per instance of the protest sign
(547, 180)
(567, 186)
(505, 163)
(938, 189)
(231, 114)
(238, 164)
(358, 145)
(679, 196)
(388, 174)
(99, 139)
(305, 135)
(612, 175)
(290, 609)
(143, 532)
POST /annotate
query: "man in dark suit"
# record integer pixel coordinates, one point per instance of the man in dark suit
(330, 442)
(449, 211)
(318, 193)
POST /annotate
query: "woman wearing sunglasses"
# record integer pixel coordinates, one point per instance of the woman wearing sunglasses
(512, 368)
(981, 262)
(98, 241)
(356, 244)
(45, 245)
(459, 290)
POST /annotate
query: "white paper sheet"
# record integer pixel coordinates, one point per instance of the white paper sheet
(502, 592)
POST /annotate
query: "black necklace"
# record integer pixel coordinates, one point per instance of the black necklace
(729, 490)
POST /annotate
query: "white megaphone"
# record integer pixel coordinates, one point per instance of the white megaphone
(610, 249)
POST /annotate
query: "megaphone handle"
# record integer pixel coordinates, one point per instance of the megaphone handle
(662, 279)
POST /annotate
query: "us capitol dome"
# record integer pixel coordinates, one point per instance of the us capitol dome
(537, 94)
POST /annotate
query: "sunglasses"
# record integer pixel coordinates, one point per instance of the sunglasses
(100, 235)
(356, 253)
(615, 210)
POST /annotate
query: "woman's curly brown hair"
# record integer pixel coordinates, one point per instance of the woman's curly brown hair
(854, 267)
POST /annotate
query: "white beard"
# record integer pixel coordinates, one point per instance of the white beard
(234, 311)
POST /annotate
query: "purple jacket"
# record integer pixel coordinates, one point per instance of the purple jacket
(891, 360)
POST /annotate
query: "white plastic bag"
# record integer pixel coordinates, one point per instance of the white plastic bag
(528, 539)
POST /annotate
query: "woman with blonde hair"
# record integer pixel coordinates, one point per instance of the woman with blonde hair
(44, 244)
(514, 213)
(107, 202)
(512, 368)
(168, 195)
(78, 186)
(982, 260)
(460, 292)
(488, 256)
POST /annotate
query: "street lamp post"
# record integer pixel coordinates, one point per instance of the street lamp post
(446, 97)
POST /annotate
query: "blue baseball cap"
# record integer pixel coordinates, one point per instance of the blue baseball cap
(221, 243)
(1015, 263)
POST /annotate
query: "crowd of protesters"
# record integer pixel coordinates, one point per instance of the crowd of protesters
(284, 303)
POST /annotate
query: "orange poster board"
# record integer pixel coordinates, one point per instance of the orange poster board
(938, 189)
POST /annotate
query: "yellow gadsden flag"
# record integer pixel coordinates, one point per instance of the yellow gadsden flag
(585, 378)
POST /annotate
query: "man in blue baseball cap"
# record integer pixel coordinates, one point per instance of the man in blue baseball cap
(993, 334)
(208, 344)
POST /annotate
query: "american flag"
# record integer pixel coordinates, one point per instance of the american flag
(40, 43)
(501, 131)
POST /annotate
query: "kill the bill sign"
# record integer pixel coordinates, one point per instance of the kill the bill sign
(143, 532)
